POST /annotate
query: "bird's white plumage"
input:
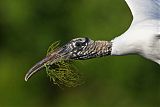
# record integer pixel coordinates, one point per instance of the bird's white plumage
(144, 9)
(143, 36)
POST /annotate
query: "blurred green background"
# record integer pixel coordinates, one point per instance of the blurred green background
(28, 27)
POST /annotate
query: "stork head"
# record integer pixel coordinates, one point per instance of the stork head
(76, 49)
(85, 48)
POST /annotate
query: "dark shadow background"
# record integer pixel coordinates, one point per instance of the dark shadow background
(28, 27)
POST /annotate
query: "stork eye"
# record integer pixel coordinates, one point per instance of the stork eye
(78, 44)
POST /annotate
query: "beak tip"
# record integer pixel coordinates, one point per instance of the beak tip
(26, 79)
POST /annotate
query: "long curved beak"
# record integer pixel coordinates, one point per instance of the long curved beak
(55, 56)
(38, 66)
(34, 69)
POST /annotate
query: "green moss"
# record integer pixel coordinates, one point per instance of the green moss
(53, 47)
(63, 73)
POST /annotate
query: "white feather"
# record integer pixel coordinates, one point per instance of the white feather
(144, 9)
(143, 36)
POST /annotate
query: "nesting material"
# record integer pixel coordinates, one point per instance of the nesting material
(63, 73)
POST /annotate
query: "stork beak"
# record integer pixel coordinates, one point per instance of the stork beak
(54, 57)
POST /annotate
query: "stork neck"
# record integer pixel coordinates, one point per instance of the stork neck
(123, 45)
(102, 48)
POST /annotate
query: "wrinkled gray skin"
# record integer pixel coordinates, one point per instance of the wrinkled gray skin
(76, 49)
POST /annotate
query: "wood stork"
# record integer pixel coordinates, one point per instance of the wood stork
(142, 37)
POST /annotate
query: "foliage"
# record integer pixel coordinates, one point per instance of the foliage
(63, 73)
